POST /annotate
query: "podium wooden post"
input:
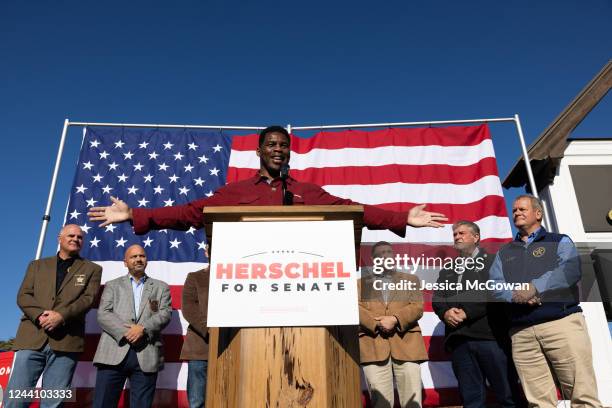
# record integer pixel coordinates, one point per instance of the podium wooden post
(284, 366)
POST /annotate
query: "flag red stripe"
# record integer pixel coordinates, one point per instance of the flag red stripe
(163, 398)
(178, 398)
(491, 205)
(390, 173)
(451, 136)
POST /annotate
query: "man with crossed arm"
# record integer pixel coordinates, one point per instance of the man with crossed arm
(55, 296)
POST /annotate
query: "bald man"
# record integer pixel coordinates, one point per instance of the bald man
(55, 295)
(133, 311)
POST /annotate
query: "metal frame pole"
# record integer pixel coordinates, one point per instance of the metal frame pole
(434, 122)
(532, 184)
(519, 129)
(47, 216)
(153, 125)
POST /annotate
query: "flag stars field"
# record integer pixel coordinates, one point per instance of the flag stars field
(186, 162)
(94, 242)
(121, 242)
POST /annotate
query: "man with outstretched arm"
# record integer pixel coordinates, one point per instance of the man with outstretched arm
(264, 188)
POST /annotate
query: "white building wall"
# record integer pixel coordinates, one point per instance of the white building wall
(562, 206)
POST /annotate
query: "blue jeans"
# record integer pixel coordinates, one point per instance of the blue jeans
(111, 379)
(477, 360)
(55, 366)
(196, 383)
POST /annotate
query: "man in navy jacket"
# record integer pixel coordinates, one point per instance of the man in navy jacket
(548, 331)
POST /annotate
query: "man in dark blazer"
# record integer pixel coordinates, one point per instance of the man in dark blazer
(55, 295)
(390, 340)
(133, 311)
(476, 331)
(195, 347)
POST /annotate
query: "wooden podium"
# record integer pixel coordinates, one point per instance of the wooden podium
(284, 366)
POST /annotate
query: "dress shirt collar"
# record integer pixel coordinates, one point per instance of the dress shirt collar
(258, 178)
(531, 237)
(139, 281)
(69, 260)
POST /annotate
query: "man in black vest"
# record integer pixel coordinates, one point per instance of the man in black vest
(476, 333)
(537, 276)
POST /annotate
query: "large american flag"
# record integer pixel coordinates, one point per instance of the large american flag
(453, 169)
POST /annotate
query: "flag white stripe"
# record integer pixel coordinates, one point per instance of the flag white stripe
(438, 374)
(490, 227)
(378, 156)
(419, 193)
(431, 325)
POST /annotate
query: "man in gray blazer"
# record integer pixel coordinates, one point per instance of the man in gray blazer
(133, 311)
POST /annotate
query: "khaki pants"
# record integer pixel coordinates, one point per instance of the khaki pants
(380, 382)
(559, 348)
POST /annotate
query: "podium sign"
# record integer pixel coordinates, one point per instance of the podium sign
(295, 273)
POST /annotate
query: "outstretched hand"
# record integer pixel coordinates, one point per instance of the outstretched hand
(418, 217)
(117, 212)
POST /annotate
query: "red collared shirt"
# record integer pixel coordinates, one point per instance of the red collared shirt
(258, 190)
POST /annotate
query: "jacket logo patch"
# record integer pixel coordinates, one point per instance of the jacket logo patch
(538, 252)
(79, 280)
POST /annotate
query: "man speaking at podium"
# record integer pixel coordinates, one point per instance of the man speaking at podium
(269, 186)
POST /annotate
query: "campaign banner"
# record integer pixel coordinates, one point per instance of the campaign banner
(296, 273)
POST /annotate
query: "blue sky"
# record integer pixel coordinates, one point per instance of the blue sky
(264, 62)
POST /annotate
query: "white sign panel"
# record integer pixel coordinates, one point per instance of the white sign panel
(267, 274)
